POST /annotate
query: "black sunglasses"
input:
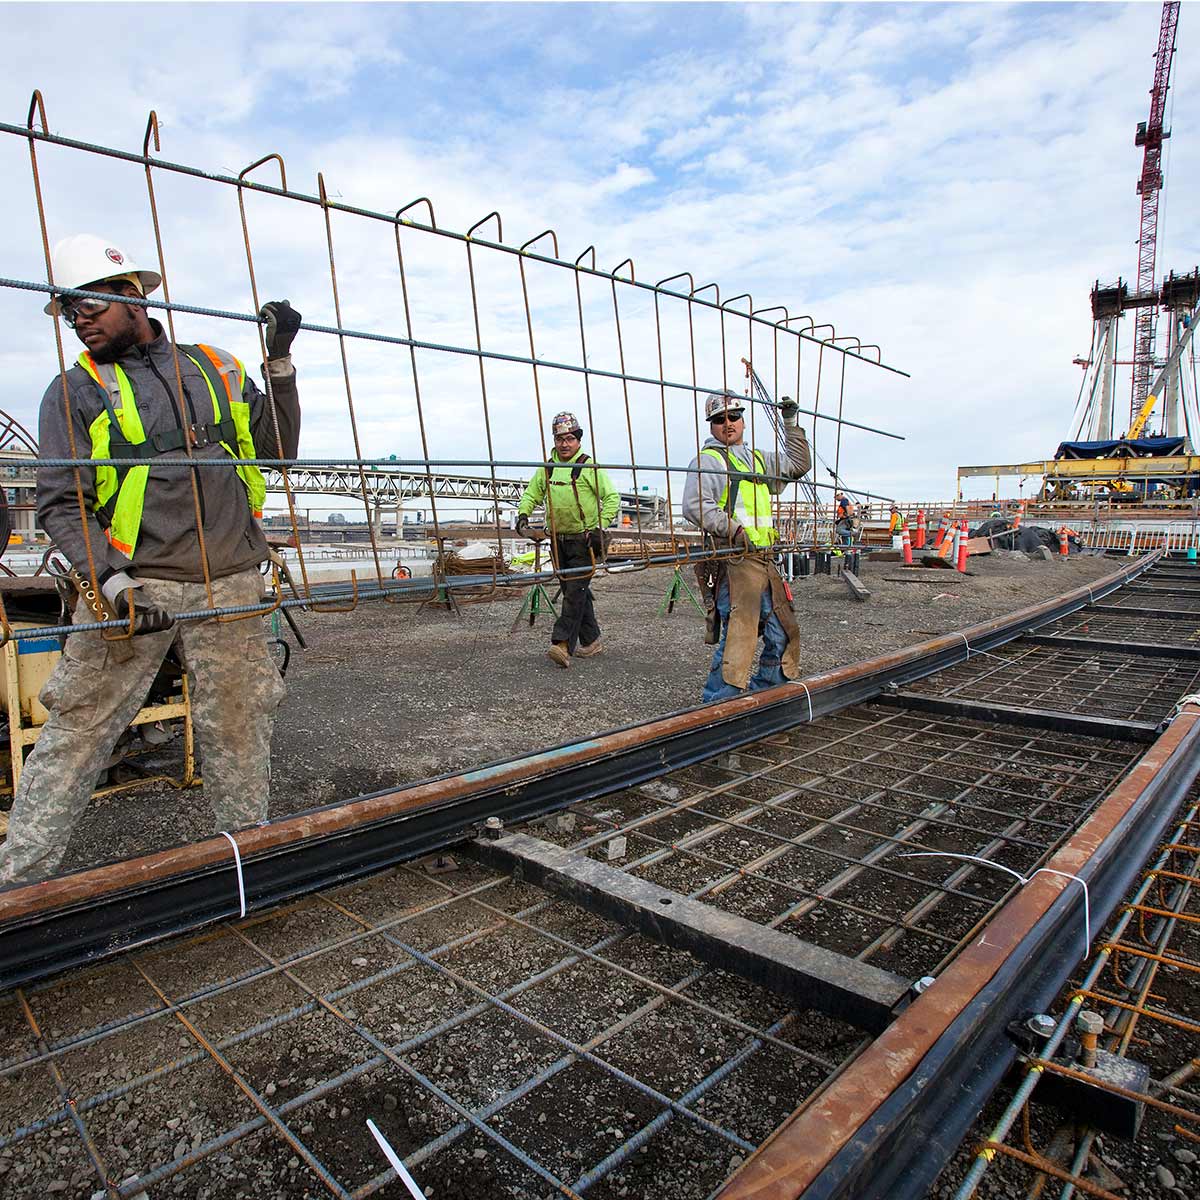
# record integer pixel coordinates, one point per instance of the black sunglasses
(726, 418)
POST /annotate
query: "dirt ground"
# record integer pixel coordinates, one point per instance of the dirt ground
(390, 694)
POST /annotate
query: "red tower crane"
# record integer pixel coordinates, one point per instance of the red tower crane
(1151, 135)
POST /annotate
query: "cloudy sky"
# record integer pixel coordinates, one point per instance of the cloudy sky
(944, 180)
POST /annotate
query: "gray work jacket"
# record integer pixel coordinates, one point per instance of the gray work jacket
(702, 492)
(167, 545)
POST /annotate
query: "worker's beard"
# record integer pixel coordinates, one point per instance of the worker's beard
(121, 342)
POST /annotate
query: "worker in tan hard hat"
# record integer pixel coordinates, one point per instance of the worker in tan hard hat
(135, 398)
(581, 503)
(728, 495)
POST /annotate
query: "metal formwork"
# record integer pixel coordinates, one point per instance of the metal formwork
(513, 1039)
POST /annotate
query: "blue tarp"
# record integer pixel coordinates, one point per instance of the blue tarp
(1152, 447)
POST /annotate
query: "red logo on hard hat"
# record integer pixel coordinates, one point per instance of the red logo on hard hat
(115, 256)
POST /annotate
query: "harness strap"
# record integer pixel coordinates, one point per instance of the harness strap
(736, 476)
(224, 429)
(576, 471)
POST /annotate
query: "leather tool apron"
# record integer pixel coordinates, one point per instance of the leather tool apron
(747, 579)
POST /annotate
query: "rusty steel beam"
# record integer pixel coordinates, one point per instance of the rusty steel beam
(886, 1125)
(96, 913)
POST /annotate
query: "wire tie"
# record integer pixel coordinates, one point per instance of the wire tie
(808, 697)
(987, 862)
(1190, 698)
(396, 1162)
(237, 862)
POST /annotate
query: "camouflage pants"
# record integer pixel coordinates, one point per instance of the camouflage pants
(234, 688)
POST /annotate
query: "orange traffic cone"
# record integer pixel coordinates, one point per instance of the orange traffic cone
(920, 540)
(942, 529)
(960, 562)
(906, 545)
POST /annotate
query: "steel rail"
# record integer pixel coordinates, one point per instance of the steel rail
(93, 914)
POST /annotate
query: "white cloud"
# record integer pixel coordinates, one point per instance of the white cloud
(946, 181)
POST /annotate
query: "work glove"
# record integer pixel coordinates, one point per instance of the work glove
(740, 540)
(523, 525)
(283, 322)
(595, 539)
(788, 409)
(116, 587)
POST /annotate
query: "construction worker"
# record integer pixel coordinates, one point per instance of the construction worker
(728, 495)
(582, 503)
(844, 520)
(896, 523)
(140, 523)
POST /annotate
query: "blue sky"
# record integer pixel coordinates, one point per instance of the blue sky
(944, 180)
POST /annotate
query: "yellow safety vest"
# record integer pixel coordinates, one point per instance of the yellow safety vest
(126, 488)
(750, 502)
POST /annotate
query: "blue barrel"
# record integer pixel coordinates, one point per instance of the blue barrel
(1191, 554)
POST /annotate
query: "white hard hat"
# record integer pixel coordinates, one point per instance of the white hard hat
(85, 258)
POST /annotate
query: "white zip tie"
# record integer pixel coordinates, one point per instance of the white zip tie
(985, 653)
(808, 697)
(396, 1162)
(237, 862)
(1024, 879)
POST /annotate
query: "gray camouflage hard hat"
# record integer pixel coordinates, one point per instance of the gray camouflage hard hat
(719, 402)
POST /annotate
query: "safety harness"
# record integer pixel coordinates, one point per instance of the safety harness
(117, 433)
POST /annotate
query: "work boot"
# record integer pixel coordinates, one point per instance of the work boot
(559, 654)
(589, 651)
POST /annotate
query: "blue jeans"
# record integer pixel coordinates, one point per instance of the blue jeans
(770, 662)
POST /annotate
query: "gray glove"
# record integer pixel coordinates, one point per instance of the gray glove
(523, 525)
(283, 322)
(788, 409)
(116, 587)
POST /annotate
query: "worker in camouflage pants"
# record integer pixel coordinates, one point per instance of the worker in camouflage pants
(133, 397)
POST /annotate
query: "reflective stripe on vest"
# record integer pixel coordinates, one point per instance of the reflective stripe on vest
(752, 501)
(129, 487)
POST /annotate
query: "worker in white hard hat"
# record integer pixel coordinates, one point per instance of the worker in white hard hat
(144, 541)
(581, 503)
(728, 495)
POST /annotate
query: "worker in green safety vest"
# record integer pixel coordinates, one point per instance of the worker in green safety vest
(728, 496)
(147, 539)
(581, 503)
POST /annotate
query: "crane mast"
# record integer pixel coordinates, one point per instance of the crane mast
(1151, 135)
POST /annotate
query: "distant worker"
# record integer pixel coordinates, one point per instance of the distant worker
(896, 524)
(141, 527)
(843, 524)
(582, 504)
(728, 495)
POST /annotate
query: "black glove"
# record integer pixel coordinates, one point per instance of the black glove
(283, 322)
(116, 587)
(740, 540)
(788, 408)
(523, 525)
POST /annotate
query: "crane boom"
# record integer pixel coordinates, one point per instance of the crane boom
(1151, 135)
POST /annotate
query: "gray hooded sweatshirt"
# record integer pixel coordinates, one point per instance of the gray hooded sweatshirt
(702, 492)
(167, 545)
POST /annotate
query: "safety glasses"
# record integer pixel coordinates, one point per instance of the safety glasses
(82, 306)
(726, 418)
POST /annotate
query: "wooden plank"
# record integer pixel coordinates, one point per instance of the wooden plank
(857, 588)
(806, 975)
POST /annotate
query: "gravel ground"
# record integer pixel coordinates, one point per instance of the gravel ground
(390, 694)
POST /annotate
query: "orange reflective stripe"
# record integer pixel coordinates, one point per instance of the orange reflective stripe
(87, 363)
(124, 547)
(211, 355)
